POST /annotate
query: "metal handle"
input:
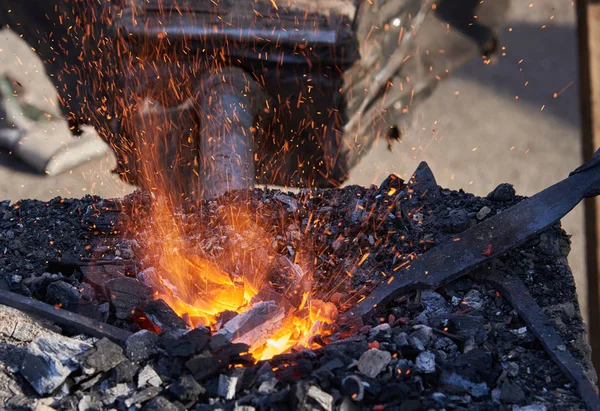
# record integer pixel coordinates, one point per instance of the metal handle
(228, 104)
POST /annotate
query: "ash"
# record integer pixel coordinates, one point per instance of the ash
(462, 346)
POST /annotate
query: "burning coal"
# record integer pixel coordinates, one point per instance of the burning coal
(240, 289)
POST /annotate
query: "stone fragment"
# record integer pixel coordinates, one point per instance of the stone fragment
(104, 356)
(148, 376)
(160, 403)
(373, 361)
(50, 359)
(141, 345)
(425, 362)
(186, 389)
(126, 295)
(227, 386)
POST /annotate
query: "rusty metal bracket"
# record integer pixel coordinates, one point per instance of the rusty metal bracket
(62, 317)
(513, 289)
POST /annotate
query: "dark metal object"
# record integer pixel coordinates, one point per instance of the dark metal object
(62, 317)
(338, 74)
(513, 289)
(228, 103)
(491, 238)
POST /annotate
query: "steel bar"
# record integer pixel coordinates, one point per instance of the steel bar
(513, 289)
(490, 238)
(588, 25)
(62, 317)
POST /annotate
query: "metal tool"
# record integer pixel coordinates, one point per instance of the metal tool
(488, 239)
(513, 289)
(63, 317)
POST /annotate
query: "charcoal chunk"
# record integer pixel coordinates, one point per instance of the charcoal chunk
(148, 376)
(185, 344)
(141, 345)
(391, 185)
(373, 361)
(204, 366)
(423, 184)
(50, 360)
(503, 193)
(186, 389)
(104, 356)
(511, 393)
(142, 396)
(125, 371)
(457, 383)
(163, 316)
(126, 295)
(64, 295)
(160, 403)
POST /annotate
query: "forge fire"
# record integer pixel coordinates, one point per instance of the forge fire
(240, 303)
(200, 291)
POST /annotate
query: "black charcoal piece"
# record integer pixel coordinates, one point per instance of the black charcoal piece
(104, 356)
(206, 366)
(179, 343)
(64, 295)
(160, 403)
(126, 295)
(503, 193)
(142, 396)
(423, 184)
(163, 316)
(125, 371)
(186, 389)
(141, 345)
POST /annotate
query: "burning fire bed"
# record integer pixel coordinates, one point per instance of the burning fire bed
(389, 297)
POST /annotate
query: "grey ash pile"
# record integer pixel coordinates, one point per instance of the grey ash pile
(462, 346)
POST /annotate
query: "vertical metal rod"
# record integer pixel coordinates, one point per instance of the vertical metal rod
(228, 107)
(588, 26)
